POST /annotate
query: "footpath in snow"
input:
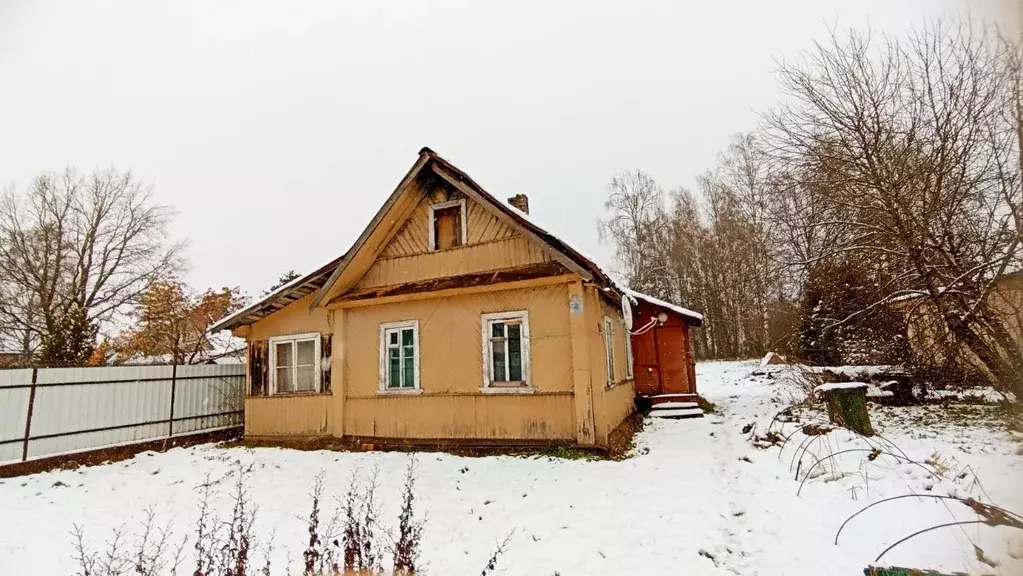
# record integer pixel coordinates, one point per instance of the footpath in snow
(696, 498)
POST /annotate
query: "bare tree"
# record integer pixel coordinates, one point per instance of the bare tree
(636, 224)
(714, 253)
(76, 252)
(904, 136)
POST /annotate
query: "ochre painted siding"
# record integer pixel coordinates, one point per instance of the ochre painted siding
(492, 255)
(295, 415)
(610, 405)
(451, 348)
(451, 370)
(295, 318)
(414, 236)
(305, 415)
(510, 417)
(618, 404)
(490, 245)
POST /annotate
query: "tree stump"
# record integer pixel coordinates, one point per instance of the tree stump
(847, 405)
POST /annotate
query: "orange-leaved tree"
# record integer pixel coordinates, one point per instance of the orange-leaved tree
(172, 322)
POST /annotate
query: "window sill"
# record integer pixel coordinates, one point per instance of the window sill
(400, 392)
(508, 390)
(613, 385)
(290, 395)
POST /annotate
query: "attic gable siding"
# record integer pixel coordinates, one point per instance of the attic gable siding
(490, 245)
(414, 236)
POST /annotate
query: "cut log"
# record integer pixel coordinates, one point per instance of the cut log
(847, 405)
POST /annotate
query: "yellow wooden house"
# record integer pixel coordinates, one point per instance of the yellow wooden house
(453, 318)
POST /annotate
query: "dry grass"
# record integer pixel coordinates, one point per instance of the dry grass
(350, 542)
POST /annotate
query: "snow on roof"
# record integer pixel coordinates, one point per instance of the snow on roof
(662, 304)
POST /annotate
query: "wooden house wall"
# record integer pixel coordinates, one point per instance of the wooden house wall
(451, 403)
(413, 237)
(290, 415)
(490, 245)
(611, 404)
(298, 414)
(295, 318)
(533, 417)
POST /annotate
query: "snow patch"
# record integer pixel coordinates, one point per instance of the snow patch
(840, 386)
(667, 305)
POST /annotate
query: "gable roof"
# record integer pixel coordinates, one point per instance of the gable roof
(431, 162)
(295, 290)
(324, 278)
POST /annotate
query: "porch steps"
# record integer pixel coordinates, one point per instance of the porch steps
(662, 398)
(677, 413)
(669, 405)
(675, 406)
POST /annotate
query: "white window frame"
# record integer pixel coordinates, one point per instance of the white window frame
(609, 350)
(385, 328)
(628, 352)
(433, 226)
(526, 384)
(294, 339)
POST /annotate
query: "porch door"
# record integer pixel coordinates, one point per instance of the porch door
(671, 351)
(647, 374)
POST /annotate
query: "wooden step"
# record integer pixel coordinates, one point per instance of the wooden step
(677, 413)
(662, 398)
(671, 405)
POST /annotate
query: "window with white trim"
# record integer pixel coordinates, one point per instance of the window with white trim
(447, 224)
(609, 349)
(628, 352)
(295, 363)
(506, 349)
(399, 355)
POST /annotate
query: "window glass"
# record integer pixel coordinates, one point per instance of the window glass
(499, 374)
(609, 349)
(306, 352)
(284, 354)
(514, 353)
(285, 382)
(628, 354)
(400, 357)
(409, 367)
(305, 379)
(506, 352)
(295, 364)
(394, 368)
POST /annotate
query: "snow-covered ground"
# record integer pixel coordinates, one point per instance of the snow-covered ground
(696, 498)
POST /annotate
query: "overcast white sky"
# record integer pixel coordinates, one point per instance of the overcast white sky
(277, 129)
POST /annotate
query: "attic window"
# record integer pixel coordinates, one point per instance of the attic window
(447, 225)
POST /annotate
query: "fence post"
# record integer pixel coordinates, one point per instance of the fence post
(28, 417)
(174, 390)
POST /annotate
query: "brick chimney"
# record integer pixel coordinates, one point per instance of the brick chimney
(520, 201)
